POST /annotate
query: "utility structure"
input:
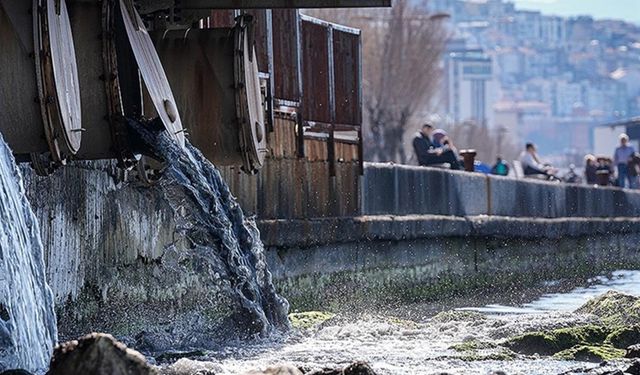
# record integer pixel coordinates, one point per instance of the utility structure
(73, 71)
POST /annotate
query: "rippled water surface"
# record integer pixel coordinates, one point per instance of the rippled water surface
(622, 281)
(423, 346)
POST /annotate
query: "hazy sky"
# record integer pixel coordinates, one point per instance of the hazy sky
(622, 9)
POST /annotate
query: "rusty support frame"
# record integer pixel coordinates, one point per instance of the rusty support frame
(270, 88)
(360, 104)
(331, 145)
(299, 118)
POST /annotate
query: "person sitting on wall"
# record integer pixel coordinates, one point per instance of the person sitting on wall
(429, 154)
(501, 168)
(531, 164)
(591, 169)
(634, 170)
(621, 159)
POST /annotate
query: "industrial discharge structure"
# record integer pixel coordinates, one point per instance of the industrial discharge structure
(73, 72)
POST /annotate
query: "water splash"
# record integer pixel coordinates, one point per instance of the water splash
(216, 220)
(27, 319)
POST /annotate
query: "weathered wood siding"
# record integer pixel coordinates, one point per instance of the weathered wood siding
(289, 187)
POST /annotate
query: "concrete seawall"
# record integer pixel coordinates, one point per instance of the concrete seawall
(427, 232)
(389, 189)
(117, 261)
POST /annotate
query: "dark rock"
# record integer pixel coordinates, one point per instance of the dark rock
(498, 373)
(634, 369)
(278, 370)
(358, 368)
(172, 356)
(15, 372)
(625, 336)
(325, 371)
(97, 354)
(633, 351)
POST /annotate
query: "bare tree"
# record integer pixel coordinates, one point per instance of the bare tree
(488, 143)
(401, 52)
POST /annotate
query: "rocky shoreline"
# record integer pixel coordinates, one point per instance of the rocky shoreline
(602, 337)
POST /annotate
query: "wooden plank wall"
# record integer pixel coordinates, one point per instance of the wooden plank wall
(289, 187)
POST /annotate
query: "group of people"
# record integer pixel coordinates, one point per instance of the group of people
(434, 147)
(625, 161)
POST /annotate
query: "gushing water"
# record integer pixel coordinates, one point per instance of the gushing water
(27, 319)
(215, 220)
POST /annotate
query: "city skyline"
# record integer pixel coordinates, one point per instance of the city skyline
(628, 10)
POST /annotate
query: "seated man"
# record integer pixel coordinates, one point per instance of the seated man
(531, 164)
(429, 154)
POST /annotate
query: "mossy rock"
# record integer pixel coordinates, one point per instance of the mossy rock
(534, 343)
(554, 341)
(309, 319)
(624, 337)
(614, 308)
(504, 355)
(590, 353)
(472, 345)
(458, 316)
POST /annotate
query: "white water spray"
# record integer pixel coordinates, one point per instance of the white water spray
(27, 319)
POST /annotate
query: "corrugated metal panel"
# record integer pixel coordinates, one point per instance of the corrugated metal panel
(347, 77)
(221, 18)
(285, 54)
(282, 141)
(316, 97)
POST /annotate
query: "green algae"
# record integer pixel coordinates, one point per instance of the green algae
(624, 337)
(309, 319)
(472, 345)
(554, 341)
(619, 328)
(614, 308)
(505, 355)
(590, 353)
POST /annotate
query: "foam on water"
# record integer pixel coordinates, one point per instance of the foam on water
(27, 319)
(393, 346)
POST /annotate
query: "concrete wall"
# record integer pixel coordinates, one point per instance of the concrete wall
(119, 260)
(389, 189)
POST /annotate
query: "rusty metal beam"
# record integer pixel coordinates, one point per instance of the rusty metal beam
(261, 4)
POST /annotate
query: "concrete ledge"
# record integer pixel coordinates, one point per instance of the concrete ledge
(389, 189)
(315, 232)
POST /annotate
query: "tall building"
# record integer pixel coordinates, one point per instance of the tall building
(469, 86)
(553, 31)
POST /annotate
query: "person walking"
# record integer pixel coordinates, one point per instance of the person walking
(621, 157)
